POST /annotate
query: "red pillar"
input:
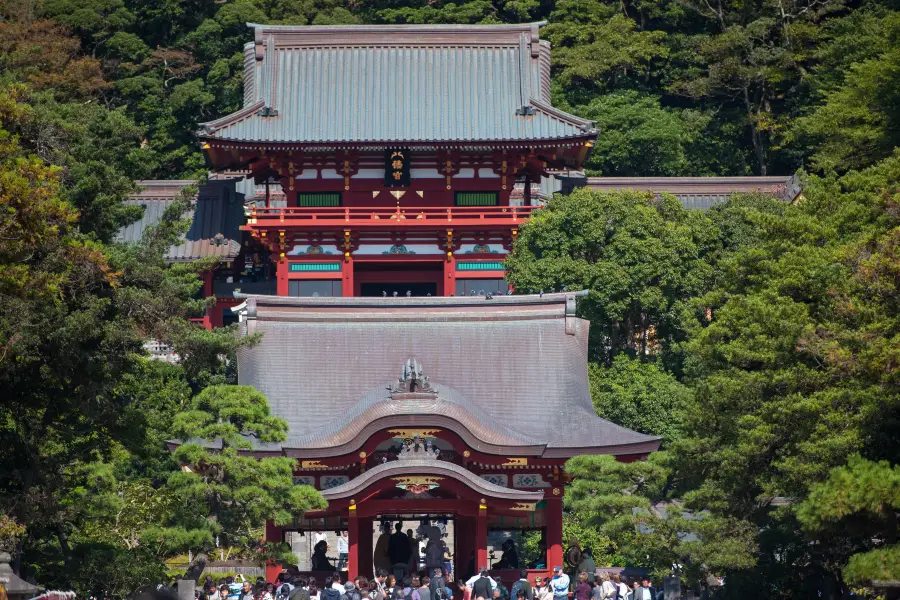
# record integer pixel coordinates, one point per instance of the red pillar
(450, 275)
(481, 540)
(464, 546)
(347, 276)
(554, 530)
(281, 276)
(273, 570)
(207, 292)
(353, 544)
(273, 535)
(365, 548)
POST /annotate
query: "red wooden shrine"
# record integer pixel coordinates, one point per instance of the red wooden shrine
(384, 160)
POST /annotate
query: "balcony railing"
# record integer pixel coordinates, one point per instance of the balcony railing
(358, 216)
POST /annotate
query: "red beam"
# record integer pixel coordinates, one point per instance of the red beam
(384, 217)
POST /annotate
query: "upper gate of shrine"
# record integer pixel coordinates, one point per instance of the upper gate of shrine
(457, 96)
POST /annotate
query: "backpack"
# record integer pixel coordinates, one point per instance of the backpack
(439, 593)
(283, 592)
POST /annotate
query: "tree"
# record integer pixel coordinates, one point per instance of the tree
(626, 503)
(74, 317)
(220, 491)
(859, 502)
(595, 45)
(640, 396)
(858, 120)
(640, 257)
(790, 367)
(752, 58)
(639, 136)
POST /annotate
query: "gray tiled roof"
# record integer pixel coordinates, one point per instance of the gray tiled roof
(702, 193)
(396, 83)
(218, 211)
(510, 373)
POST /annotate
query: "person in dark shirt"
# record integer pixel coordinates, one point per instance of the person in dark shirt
(482, 588)
(399, 551)
(584, 588)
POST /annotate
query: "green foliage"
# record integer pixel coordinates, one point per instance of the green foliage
(640, 257)
(221, 491)
(623, 501)
(783, 365)
(859, 502)
(641, 137)
(857, 121)
(640, 396)
(74, 316)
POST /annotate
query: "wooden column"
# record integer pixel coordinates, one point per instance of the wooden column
(281, 276)
(273, 534)
(481, 538)
(347, 284)
(554, 530)
(450, 275)
(464, 546)
(207, 292)
(365, 548)
(273, 570)
(353, 544)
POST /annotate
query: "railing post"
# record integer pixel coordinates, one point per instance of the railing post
(281, 213)
(449, 215)
(347, 214)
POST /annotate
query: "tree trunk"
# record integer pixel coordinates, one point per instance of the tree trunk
(64, 546)
(759, 149)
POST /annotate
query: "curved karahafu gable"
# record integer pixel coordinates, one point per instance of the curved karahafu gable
(508, 374)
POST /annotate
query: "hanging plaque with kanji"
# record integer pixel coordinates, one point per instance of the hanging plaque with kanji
(396, 168)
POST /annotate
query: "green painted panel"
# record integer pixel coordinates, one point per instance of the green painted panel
(312, 199)
(476, 198)
(479, 266)
(318, 267)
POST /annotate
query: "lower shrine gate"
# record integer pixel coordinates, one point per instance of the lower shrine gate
(432, 411)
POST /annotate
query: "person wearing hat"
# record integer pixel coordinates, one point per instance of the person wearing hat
(350, 592)
(559, 583)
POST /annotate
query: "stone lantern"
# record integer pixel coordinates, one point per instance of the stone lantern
(16, 588)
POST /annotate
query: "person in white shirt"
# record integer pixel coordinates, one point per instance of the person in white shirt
(343, 550)
(319, 536)
(607, 589)
(621, 587)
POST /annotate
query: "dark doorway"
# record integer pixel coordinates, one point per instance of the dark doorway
(421, 288)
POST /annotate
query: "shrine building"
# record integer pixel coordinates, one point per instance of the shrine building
(394, 152)
(459, 409)
(361, 204)
(390, 168)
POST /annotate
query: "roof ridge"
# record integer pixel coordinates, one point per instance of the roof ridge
(547, 108)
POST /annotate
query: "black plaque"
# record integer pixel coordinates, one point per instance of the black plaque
(396, 168)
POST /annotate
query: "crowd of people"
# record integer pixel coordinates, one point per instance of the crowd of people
(437, 586)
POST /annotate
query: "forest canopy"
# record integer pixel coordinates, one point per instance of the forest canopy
(759, 340)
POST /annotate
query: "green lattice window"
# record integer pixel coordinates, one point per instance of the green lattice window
(476, 198)
(319, 267)
(313, 199)
(479, 266)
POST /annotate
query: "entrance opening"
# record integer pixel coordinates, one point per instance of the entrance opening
(391, 288)
(417, 528)
(380, 278)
